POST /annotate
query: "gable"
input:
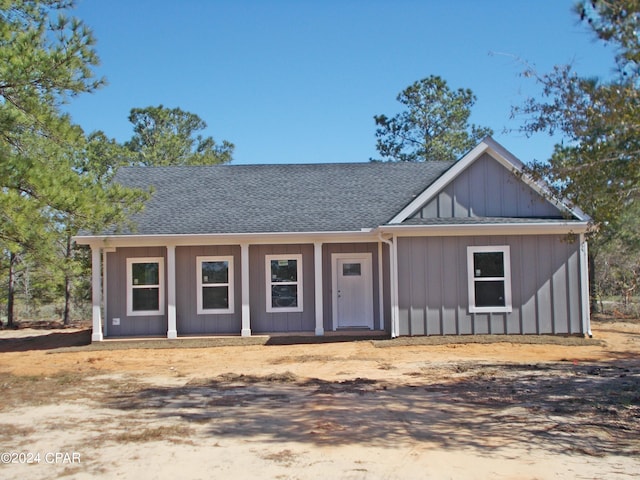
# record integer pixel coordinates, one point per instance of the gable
(499, 186)
(486, 188)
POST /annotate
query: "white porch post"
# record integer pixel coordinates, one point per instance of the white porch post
(380, 285)
(395, 309)
(105, 325)
(172, 331)
(246, 308)
(96, 295)
(317, 263)
(584, 286)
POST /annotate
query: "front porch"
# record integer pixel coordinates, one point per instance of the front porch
(277, 338)
(326, 300)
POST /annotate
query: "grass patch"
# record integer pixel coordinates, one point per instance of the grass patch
(38, 389)
(283, 457)
(232, 378)
(164, 343)
(9, 432)
(171, 433)
(301, 359)
(487, 339)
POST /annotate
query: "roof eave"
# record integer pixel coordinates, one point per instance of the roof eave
(254, 238)
(457, 230)
(363, 235)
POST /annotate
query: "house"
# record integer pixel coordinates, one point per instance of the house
(436, 248)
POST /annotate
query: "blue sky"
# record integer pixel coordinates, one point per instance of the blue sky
(300, 81)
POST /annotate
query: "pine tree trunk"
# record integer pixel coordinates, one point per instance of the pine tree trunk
(593, 288)
(12, 291)
(67, 286)
(67, 300)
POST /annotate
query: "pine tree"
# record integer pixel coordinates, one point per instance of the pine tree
(168, 136)
(433, 126)
(46, 190)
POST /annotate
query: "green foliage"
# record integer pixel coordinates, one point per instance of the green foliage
(164, 136)
(598, 164)
(103, 157)
(43, 61)
(51, 181)
(112, 204)
(597, 168)
(616, 22)
(618, 259)
(433, 126)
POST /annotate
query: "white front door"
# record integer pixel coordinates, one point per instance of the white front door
(352, 290)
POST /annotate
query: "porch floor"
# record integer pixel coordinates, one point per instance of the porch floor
(272, 338)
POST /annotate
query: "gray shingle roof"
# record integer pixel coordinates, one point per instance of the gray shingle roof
(275, 198)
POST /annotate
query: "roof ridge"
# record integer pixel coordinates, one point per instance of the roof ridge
(321, 164)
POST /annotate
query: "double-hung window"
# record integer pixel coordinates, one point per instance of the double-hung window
(489, 277)
(145, 286)
(284, 283)
(215, 284)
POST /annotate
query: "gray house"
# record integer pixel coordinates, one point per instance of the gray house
(436, 248)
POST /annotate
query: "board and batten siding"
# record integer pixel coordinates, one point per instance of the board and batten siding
(433, 286)
(266, 322)
(488, 189)
(117, 296)
(188, 321)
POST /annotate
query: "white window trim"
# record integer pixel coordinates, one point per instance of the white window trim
(131, 287)
(506, 255)
(229, 285)
(269, 283)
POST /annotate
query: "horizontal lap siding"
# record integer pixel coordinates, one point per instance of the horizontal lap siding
(188, 321)
(433, 291)
(117, 295)
(263, 321)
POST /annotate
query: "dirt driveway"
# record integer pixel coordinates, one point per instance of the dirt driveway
(352, 410)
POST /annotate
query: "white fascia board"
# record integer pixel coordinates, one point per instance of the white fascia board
(502, 156)
(268, 238)
(458, 230)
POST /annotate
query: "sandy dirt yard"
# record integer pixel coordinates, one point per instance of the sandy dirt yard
(347, 410)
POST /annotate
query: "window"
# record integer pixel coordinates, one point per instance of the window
(489, 270)
(215, 284)
(351, 269)
(284, 283)
(145, 286)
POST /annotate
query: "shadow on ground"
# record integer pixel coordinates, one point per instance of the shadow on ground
(591, 409)
(77, 343)
(316, 339)
(46, 342)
